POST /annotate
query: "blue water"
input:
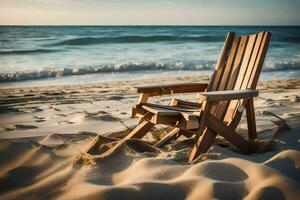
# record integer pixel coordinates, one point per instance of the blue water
(67, 54)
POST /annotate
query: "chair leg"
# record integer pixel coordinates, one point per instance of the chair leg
(138, 132)
(251, 120)
(172, 135)
(229, 134)
(206, 136)
(203, 143)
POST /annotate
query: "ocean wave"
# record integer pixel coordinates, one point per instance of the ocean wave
(81, 41)
(290, 39)
(129, 67)
(123, 67)
(28, 51)
(282, 66)
(137, 39)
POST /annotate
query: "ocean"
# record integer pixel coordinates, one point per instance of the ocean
(54, 55)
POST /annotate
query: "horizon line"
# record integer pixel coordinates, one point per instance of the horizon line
(289, 25)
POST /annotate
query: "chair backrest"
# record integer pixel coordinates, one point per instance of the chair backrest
(238, 67)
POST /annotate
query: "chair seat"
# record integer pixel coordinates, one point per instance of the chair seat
(186, 118)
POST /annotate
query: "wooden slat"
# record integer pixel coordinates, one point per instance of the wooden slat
(206, 110)
(237, 63)
(228, 95)
(245, 62)
(213, 84)
(252, 61)
(160, 111)
(230, 62)
(229, 134)
(171, 120)
(184, 104)
(143, 98)
(251, 119)
(173, 135)
(138, 132)
(154, 90)
(171, 108)
(203, 143)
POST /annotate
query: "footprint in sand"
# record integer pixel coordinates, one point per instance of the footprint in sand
(101, 116)
(103, 91)
(24, 127)
(8, 129)
(37, 110)
(56, 109)
(66, 122)
(29, 95)
(62, 115)
(115, 98)
(40, 120)
(107, 117)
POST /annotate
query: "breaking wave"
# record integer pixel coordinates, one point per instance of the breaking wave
(29, 51)
(136, 39)
(129, 67)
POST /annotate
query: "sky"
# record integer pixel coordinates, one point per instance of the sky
(149, 12)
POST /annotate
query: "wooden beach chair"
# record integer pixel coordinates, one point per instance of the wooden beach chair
(221, 102)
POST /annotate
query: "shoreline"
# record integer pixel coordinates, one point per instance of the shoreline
(95, 78)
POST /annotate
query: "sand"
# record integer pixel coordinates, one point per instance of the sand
(45, 131)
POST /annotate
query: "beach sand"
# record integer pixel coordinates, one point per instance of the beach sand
(45, 131)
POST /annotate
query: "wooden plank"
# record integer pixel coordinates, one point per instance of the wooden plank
(217, 75)
(171, 108)
(172, 135)
(184, 104)
(138, 132)
(155, 90)
(165, 119)
(138, 110)
(252, 61)
(160, 111)
(188, 124)
(237, 63)
(202, 145)
(251, 119)
(143, 98)
(246, 61)
(228, 95)
(96, 142)
(230, 63)
(229, 134)
(203, 119)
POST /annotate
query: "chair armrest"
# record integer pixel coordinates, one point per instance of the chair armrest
(228, 95)
(157, 90)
